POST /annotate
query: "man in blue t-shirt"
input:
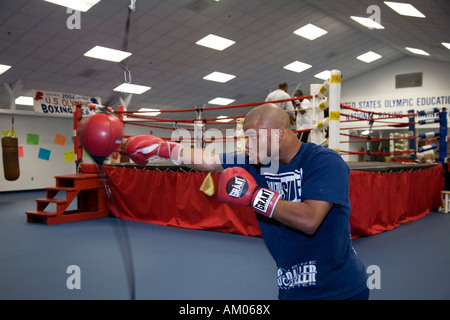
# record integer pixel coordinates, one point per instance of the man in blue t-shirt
(300, 192)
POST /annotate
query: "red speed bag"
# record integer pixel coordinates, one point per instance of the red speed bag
(100, 134)
(10, 150)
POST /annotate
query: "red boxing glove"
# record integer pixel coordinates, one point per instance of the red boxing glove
(145, 148)
(237, 186)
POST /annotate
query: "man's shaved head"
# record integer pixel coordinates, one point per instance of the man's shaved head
(268, 116)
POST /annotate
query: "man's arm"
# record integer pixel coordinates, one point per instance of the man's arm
(145, 148)
(237, 186)
(304, 216)
(200, 159)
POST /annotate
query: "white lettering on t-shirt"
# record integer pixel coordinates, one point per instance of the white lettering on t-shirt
(299, 275)
(288, 185)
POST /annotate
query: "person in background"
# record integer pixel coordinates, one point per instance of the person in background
(281, 94)
(303, 116)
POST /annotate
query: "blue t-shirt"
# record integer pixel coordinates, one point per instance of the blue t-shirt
(319, 266)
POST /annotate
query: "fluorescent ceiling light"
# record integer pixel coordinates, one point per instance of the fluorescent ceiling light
(417, 51)
(369, 23)
(219, 77)
(324, 75)
(223, 119)
(215, 42)
(80, 5)
(310, 32)
(446, 44)
(369, 57)
(3, 68)
(108, 54)
(24, 101)
(132, 88)
(405, 9)
(149, 112)
(297, 66)
(221, 101)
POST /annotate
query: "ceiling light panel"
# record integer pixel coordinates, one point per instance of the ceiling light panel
(324, 75)
(4, 68)
(297, 66)
(404, 9)
(223, 119)
(369, 57)
(417, 51)
(446, 44)
(215, 42)
(149, 112)
(221, 101)
(24, 101)
(103, 53)
(131, 88)
(80, 5)
(369, 23)
(219, 77)
(310, 32)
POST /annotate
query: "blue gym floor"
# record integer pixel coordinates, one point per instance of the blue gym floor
(180, 264)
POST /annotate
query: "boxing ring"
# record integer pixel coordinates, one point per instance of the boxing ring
(383, 195)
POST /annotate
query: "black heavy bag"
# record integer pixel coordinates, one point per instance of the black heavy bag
(10, 150)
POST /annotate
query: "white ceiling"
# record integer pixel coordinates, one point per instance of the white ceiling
(46, 55)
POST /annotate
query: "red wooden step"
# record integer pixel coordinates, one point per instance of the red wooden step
(51, 200)
(89, 189)
(41, 213)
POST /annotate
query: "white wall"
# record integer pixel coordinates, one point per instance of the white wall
(381, 81)
(36, 173)
(378, 86)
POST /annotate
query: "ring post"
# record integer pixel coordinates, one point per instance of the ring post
(78, 149)
(334, 107)
(443, 136)
(412, 133)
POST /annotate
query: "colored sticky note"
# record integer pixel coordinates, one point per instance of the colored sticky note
(20, 152)
(60, 139)
(44, 154)
(87, 155)
(32, 138)
(5, 133)
(69, 156)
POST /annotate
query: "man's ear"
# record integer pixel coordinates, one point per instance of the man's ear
(280, 134)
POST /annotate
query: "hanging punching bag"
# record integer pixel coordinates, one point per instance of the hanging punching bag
(10, 150)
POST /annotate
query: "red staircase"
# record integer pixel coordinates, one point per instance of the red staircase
(86, 188)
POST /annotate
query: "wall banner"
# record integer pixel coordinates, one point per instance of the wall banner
(61, 104)
(395, 104)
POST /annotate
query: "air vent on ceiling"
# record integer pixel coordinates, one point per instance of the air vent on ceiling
(198, 5)
(408, 80)
(89, 73)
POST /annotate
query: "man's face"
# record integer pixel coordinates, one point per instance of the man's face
(262, 143)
